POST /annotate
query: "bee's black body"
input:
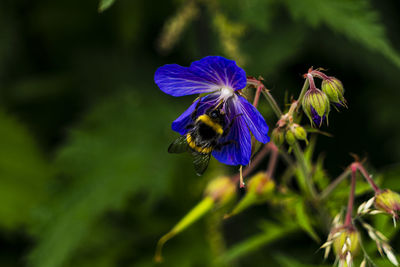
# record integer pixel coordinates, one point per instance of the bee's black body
(203, 137)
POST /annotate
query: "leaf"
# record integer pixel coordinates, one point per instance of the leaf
(271, 232)
(286, 261)
(304, 220)
(114, 154)
(355, 19)
(105, 4)
(24, 174)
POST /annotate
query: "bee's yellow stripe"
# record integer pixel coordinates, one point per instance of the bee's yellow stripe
(206, 119)
(192, 145)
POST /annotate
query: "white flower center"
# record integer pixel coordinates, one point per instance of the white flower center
(226, 92)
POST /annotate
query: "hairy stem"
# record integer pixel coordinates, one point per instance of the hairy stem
(304, 169)
(367, 176)
(302, 93)
(272, 103)
(335, 183)
(350, 204)
(257, 95)
(272, 160)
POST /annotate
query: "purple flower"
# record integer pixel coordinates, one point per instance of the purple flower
(221, 79)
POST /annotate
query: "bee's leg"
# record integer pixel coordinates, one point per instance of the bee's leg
(189, 126)
(194, 113)
(226, 131)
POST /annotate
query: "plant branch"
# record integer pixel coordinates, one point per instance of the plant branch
(350, 204)
(304, 169)
(335, 183)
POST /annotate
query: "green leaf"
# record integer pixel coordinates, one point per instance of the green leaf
(354, 19)
(304, 220)
(286, 261)
(271, 232)
(24, 174)
(105, 4)
(114, 154)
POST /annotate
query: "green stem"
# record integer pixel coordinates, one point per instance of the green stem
(302, 93)
(335, 183)
(304, 169)
(272, 103)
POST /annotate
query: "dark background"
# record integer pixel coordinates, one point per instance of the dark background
(85, 179)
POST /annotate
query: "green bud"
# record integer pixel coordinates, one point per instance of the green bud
(222, 190)
(333, 88)
(316, 106)
(346, 240)
(290, 137)
(278, 136)
(260, 184)
(299, 132)
(259, 188)
(389, 202)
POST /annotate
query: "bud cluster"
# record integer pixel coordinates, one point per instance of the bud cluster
(288, 131)
(316, 102)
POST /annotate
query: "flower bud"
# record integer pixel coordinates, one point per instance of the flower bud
(346, 244)
(389, 202)
(278, 136)
(316, 106)
(259, 189)
(333, 88)
(260, 184)
(299, 132)
(290, 137)
(222, 190)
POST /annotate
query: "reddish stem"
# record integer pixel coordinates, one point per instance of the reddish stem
(351, 197)
(272, 160)
(257, 95)
(311, 81)
(319, 74)
(366, 175)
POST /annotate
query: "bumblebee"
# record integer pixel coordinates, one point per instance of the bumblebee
(203, 136)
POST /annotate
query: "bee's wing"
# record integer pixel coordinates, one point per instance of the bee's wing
(180, 145)
(200, 162)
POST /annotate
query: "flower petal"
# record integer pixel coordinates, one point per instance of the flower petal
(238, 152)
(253, 118)
(206, 75)
(179, 125)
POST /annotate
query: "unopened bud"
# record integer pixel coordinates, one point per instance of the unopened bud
(278, 136)
(260, 184)
(222, 190)
(333, 88)
(299, 132)
(389, 202)
(259, 189)
(346, 241)
(290, 137)
(316, 106)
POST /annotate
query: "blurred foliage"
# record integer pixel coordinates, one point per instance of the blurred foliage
(85, 179)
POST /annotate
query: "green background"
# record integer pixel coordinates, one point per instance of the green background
(85, 178)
